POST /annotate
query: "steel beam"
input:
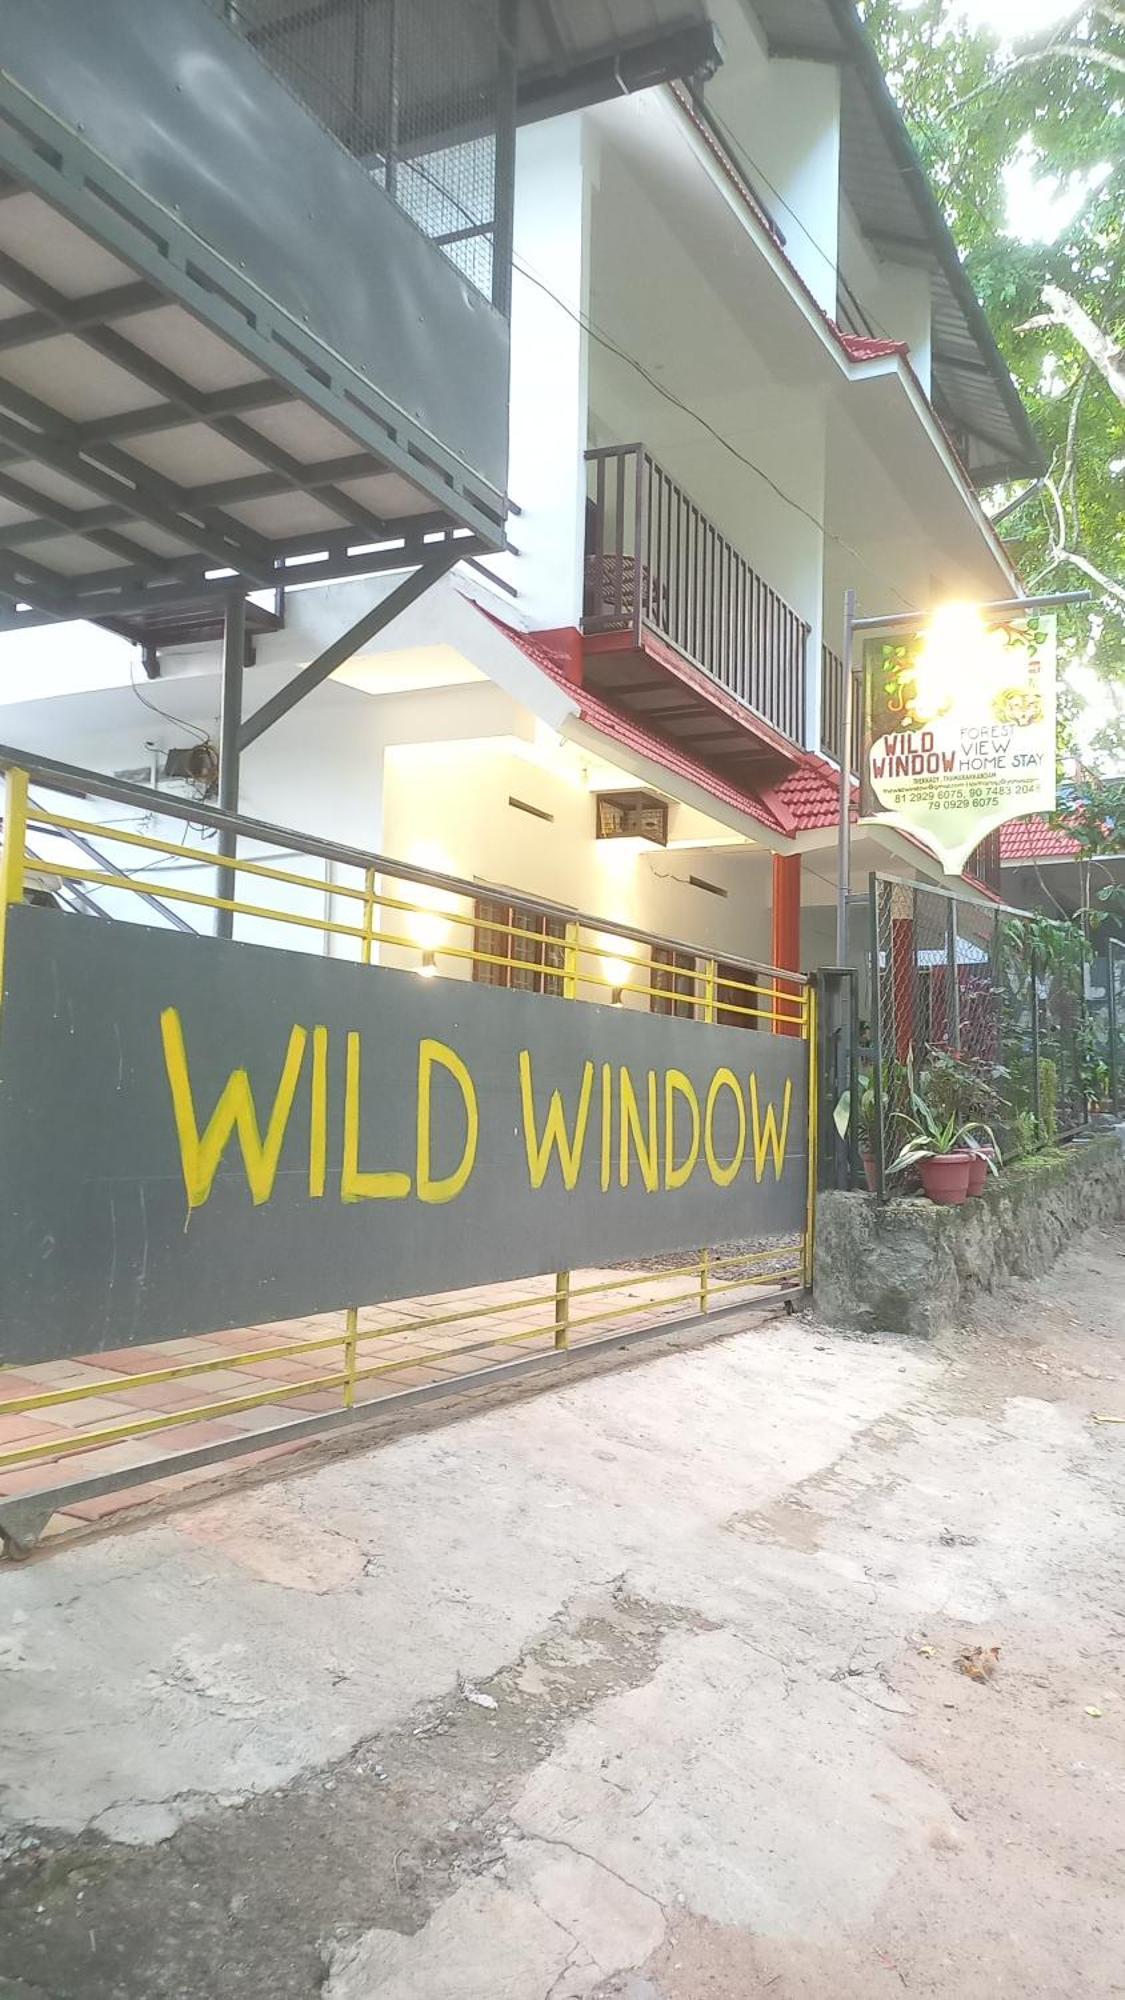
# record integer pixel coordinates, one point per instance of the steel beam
(341, 649)
(230, 721)
(70, 316)
(38, 432)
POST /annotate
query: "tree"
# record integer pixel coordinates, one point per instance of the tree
(1053, 106)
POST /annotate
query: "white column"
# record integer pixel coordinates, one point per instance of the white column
(547, 475)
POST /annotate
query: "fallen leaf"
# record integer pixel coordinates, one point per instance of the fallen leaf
(1093, 1711)
(978, 1662)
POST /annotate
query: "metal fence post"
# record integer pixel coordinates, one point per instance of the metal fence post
(1111, 1019)
(570, 963)
(13, 851)
(1036, 1103)
(351, 1335)
(562, 1309)
(877, 1039)
(811, 1045)
(835, 1055)
(954, 989)
(368, 914)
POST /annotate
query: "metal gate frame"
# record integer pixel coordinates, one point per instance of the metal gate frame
(378, 906)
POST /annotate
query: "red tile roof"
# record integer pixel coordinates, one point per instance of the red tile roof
(809, 798)
(805, 802)
(622, 729)
(865, 347)
(1034, 840)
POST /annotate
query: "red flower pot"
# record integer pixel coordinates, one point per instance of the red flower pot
(870, 1173)
(978, 1173)
(946, 1178)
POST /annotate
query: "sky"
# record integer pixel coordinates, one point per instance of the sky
(1013, 19)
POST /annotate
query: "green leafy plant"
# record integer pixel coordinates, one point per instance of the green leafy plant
(865, 1113)
(965, 1085)
(932, 1134)
(1024, 1136)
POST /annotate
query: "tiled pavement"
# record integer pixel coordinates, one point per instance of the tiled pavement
(413, 1342)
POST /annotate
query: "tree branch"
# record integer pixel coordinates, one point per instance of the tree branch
(1107, 355)
(1098, 576)
(1068, 484)
(1075, 51)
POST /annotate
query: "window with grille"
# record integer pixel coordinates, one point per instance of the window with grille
(674, 985)
(530, 944)
(735, 991)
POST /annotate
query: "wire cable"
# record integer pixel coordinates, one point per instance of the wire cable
(179, 721)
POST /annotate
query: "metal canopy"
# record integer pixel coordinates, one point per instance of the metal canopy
(170, 420)
(886, 184)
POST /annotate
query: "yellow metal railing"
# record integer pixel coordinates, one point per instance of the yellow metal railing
(440, 924)
(778, 1267)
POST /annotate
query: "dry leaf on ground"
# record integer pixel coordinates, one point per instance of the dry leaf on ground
(979, 1662)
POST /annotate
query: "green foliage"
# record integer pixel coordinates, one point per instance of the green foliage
(1023, 1136)
(1048, 1100)
(964, 1087)
(1056, 948)
(1054, 102)
(932, 1132)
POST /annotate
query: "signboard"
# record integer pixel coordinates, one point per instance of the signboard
(959, 728)
(196, 1135)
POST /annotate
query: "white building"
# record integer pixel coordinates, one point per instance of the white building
(747, 373)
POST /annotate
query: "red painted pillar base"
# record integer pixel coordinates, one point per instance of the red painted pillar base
(787, 936)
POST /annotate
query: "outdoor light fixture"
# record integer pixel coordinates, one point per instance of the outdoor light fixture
(639, 818)
(617, 973)
(429, 929)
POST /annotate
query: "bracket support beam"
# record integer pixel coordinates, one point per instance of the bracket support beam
(374, 620)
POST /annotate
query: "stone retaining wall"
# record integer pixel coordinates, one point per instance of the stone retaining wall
(909, 1268)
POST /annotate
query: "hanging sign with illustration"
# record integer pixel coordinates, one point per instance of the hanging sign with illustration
(959, 727)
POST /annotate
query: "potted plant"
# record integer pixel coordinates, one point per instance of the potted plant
(943, 1149)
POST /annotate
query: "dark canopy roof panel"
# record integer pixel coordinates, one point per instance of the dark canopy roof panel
(227, 348)
(223, 351)
(887, 187)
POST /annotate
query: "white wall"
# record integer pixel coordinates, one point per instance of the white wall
(451, 810)
(546, 476)
(895, 297)
(784, 120)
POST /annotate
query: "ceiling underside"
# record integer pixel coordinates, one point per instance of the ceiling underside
(144, 459)
(742, 748)
(886, 185)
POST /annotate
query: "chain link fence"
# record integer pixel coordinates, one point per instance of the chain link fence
(986, 1013)
(423, 93)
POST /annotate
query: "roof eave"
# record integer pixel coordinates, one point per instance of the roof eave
(860, 50)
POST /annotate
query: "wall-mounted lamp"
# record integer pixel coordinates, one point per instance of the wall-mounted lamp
(617, 973)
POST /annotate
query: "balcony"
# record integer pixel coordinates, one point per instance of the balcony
(668, 599)
(833, 710)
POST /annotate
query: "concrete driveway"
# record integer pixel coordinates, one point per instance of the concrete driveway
(646, 1686)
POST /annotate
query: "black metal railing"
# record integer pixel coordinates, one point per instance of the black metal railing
(833, 708)
(423, 96)
(654, 562)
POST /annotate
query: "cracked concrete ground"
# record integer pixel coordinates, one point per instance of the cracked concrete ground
(639, 1688)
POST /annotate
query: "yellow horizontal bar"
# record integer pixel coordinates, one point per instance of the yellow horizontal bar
(112, 1385)
(167, 893)
(168, 1419)
(288, 1391)
(207, 858)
